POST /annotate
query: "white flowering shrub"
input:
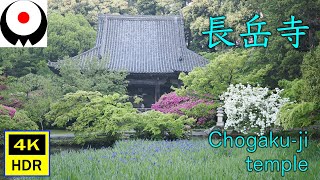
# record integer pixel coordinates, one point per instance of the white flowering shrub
(251, 109)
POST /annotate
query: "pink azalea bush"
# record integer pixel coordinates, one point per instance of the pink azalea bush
(185, 105)
(11, 111)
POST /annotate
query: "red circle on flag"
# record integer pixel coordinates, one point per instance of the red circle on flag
(23, 17)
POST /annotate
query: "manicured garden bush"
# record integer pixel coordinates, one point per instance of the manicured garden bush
(20, 121)
(89, 114)
(200, 109)
(157, 125)
(252, 109)
(5, 110)
(293, 115)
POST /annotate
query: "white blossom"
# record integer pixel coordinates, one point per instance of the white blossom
(250, 107)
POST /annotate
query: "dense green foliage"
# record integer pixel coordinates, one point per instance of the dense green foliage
(156, 125)
(90, 114)
(306, 92)
(93, 78)
(311, 75)
(231, 67)
(90, 9)
(223, 70)
(35, 93)
(298, 115)
(26, 82)
(197, 15)
(68, 35)
(18, 122)
(204, 113)
(295, 70)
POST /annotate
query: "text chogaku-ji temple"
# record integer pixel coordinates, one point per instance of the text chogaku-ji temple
(152, 49)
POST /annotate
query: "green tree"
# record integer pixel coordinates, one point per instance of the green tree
(147, 7)
(156, 125)
(231, 67)
(275, 12)
(36, 92)
(68, 35)
(17, 61)
(93, 78)
(90, 114)
(90, 9)
(306, 92)
(298, 115)
(283, 59)
(311, 75)
(20, 121)
(169, 7)
(196, 16)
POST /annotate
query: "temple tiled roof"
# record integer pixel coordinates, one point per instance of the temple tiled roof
(141, 44)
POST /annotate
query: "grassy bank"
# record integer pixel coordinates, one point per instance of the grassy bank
(130, 159)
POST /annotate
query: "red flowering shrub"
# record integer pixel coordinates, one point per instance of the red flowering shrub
(20, 121)
(200, 109)
(11, 111)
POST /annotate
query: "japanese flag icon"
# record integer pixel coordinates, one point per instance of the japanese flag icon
(23, 23)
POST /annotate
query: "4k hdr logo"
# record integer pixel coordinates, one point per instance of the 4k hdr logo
(27, 153)
(23, 23)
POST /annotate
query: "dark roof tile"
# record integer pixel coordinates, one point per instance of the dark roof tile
(142, 44)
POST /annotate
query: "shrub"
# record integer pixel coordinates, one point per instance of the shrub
(297, 115)
(8, 98)
(306, 92)
(157, 125)
(311, 75)
(5, 110)
(252, 109)
(20, 121)
(184, 105)
(89, 114)
(203, 112)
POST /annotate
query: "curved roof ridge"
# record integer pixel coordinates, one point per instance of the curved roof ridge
(141, 17)
(142, 44)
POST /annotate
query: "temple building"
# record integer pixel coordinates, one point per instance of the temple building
(152, 49)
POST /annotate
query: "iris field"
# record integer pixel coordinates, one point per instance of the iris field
(183, 159)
